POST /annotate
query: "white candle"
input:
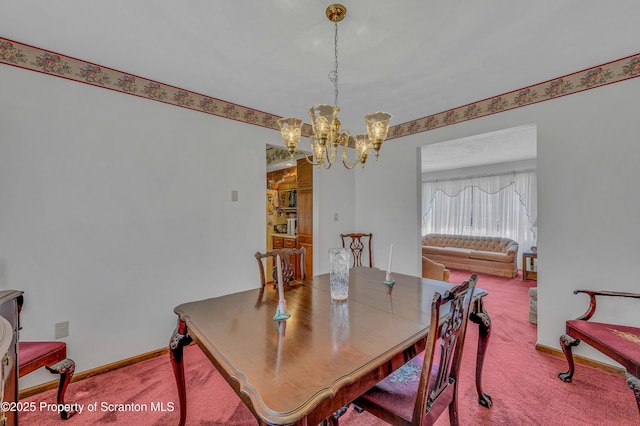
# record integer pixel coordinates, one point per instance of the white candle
(280, 290)
(390, 255)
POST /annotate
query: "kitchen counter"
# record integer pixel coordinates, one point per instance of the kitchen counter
(275, 234)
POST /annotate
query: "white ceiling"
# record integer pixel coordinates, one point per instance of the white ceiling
(502, 146)
(411, 58)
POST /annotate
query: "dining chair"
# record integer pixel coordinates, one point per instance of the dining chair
(288, 257)
(358, 244)
(420, 391)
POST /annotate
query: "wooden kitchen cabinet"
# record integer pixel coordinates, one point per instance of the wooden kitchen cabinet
(305, 212)
(278, 242)
(295, 200)
(283, 242)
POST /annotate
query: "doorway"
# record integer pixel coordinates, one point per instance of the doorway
(475, 176)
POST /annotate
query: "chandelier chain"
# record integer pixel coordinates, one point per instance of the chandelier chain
(333, 75)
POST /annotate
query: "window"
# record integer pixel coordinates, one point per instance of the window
(499, 205)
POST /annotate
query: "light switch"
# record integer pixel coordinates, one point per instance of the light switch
(234, 195)
(335, 217)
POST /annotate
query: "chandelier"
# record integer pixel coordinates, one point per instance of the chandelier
(327, 134)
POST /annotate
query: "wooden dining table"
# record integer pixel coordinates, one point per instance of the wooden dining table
(302, 370)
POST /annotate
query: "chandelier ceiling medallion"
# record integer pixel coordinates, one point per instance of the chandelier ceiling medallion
(327, 134)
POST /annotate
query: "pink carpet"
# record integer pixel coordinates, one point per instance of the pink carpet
(521, 381)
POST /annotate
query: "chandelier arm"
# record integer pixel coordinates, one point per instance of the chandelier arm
(327, 161)
(327, 167)
(310, 161)
(349, 164)
(306, 157)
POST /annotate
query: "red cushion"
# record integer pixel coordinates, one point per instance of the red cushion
(31, 351)
(397, 392)
(621, 340)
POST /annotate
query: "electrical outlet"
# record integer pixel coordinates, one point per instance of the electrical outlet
(62, 329)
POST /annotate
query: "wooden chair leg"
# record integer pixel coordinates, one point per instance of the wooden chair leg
(334, 419)
(65, 369)
(634, 384)
(453, 407)
(567, 342)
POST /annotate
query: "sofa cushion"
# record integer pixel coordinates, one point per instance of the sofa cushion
(431, 250)
(456, 252)
(490, 255)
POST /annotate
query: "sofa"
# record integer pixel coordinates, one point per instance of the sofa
(489, 255)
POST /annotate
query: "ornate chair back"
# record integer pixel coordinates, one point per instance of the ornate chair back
(359, 244)
(288, 258)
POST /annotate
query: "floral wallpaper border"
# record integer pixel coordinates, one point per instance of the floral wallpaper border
(32, 58)
(46, 62)
(601, 75)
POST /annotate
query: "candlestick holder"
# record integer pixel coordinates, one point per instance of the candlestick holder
(388, 279)
(281, 311)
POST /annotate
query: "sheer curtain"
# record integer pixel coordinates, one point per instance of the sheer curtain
(502, 205)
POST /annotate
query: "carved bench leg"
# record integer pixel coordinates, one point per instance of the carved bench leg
(567, 342)
(634, 384)
(65, 369)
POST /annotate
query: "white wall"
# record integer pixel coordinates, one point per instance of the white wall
(115, 209)
(387, 204)
(333, 193)
(587, 199)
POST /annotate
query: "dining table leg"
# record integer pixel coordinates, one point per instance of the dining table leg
(179, 339)
(480, 316)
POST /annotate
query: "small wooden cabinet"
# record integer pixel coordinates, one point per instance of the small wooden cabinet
(530, 265)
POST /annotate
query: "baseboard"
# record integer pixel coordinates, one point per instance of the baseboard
(34, 390)
(581, 360)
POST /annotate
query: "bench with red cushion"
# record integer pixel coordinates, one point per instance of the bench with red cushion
(618, 342)
(52, 356)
